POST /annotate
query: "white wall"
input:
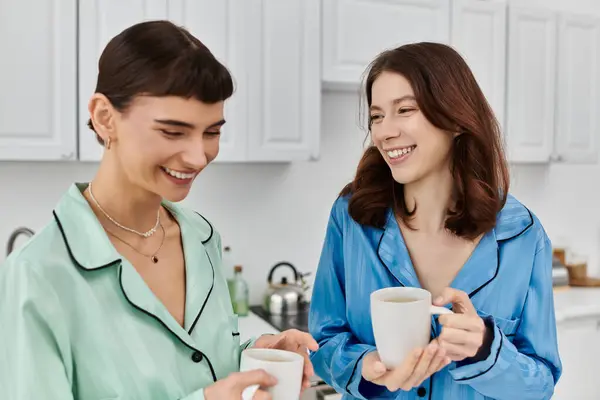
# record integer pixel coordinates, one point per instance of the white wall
(274, 212)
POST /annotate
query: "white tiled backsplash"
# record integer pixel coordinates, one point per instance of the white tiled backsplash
(273, 212)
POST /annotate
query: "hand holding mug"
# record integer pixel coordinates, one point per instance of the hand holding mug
(418, 366)
(232, 387)
(464, 333)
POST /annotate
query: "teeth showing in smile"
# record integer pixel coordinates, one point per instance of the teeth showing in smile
(177, 174)
(400, 152)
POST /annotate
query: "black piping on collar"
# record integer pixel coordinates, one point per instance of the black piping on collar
(212, 285)
(64, 236)
(474, 292)
(119, 261)
(212, 370)
(211, 228)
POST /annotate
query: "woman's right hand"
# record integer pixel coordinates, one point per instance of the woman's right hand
(418, 366)
(231, 388)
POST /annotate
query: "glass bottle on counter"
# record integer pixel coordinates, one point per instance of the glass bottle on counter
(238, 290)
(228, 265)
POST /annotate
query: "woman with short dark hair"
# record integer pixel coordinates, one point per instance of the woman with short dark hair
(122, 295)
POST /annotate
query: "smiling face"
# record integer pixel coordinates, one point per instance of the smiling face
(162, 143)
(411, 145)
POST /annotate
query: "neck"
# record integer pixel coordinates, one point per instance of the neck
(130, 206)
(433, 196)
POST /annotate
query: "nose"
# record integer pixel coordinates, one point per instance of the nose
(194, 156)
(387, 129)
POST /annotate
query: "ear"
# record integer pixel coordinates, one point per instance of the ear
(102, 114)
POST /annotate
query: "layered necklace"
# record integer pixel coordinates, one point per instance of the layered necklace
(145, 235)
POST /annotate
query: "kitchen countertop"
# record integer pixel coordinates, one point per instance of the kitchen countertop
(252, 326)
(576, 302)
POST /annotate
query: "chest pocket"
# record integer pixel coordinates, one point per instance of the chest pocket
(507, 326)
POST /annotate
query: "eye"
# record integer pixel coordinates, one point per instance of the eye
(405, 110)
(212, 133)
(375, 118)
(171, 134)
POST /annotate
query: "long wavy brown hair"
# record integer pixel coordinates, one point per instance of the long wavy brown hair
(450, 98)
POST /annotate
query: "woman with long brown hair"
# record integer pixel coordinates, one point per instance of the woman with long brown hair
(429, 207)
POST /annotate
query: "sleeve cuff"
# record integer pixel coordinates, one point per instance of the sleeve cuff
(502, 353)
(247, 344)
(359, 387)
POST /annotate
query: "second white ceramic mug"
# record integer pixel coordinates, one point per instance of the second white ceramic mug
(401, 318)
(286, 366)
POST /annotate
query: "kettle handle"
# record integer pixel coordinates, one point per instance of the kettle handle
(282, 264)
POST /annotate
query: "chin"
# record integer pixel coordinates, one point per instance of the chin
(404, 177)
(175, 196)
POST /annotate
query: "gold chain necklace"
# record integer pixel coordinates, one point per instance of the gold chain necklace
(146, 234)
(153, 256)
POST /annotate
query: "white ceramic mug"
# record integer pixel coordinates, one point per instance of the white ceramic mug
(286, 366)
(401, 318)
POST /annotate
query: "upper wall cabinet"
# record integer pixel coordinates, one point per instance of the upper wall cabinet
(355, 31)
(270, 49)
(283, 79)
(578, 89)
(38, 80)
(553, 86)
(479, 35)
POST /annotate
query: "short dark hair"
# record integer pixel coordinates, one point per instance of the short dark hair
(159, 58)
(450, 98)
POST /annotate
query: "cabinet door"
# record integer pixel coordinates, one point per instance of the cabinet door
(579, 349)
(479, 34)
(355, 31)
(100, 21)
(39, 80)
(284, 80)
(223, 26)
(578, 89)
(531, 83)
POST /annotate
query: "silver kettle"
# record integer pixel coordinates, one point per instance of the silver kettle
(284, 298)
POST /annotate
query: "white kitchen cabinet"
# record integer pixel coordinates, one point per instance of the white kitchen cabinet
(579, 348)
(355, 31)
(531, 84)
(479, 35)
(553, 86)
(283, 79)
(216, 23)
(578, 89)
(271, 49)
(38, 80)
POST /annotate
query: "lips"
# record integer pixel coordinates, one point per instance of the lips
(399, 151)
(179, 174)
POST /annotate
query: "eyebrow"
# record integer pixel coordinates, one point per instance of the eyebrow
(183, 124)
(395, 101)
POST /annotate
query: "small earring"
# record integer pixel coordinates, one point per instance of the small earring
(108, 143)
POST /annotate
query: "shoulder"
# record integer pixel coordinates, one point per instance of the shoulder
(340, 213)
(516, 222)
(42, 260)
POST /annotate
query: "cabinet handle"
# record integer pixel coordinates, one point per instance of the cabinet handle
(68, 156)
(556, 158)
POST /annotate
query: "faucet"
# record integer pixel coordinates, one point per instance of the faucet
(13, 237)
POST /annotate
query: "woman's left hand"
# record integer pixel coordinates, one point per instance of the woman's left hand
(464, 334)
(292, 340)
